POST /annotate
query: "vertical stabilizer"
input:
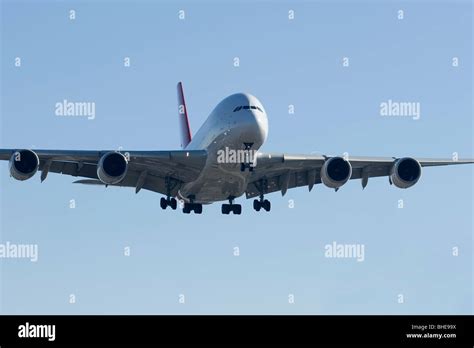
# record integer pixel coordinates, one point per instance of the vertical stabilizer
(183, 118)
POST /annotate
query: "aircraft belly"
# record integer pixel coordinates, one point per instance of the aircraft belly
(219, 182)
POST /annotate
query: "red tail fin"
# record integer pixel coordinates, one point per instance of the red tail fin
(183, 118)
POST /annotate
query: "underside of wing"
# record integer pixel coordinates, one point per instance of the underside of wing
(158, 171)
(280, 172)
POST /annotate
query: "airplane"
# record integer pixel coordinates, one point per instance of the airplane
(208, 168)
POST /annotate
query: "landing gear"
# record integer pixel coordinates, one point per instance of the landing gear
(236, 209)
(259, 204)
(262, 203)
(168, 202)
(249, 162)
(244, 166)
(256, 205)
(191, 206)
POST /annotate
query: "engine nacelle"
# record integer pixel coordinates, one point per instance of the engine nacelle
(405, 172)
(112, 168)
(24, 164)
(335, 172)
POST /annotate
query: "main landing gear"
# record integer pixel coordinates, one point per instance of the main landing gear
(259, 204)
(191, 206)
(262, 203)
(168, 202)
(236, 209)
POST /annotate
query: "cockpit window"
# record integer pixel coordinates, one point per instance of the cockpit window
(247, 107)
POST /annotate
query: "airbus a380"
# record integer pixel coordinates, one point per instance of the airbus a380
(206, 170)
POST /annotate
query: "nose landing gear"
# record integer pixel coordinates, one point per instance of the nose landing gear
(249, 161)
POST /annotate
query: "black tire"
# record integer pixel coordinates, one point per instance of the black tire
(267, 205)
(256, 205)
(237, 209)
(186, 208)
(163, 203)
(225, 209)
(198, 208)
(173, 203)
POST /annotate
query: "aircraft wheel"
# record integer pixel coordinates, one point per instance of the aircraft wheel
(163, 203)
(225, 209)
(173, 203)
(256, 205)
(198, 208)
(237, 208)
(266, 205)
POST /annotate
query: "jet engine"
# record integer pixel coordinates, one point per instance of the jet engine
(335, 172)
(405, 172)
(24, 164)
(112, 168)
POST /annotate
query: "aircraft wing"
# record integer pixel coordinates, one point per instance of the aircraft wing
(285, 171)
(146, 169)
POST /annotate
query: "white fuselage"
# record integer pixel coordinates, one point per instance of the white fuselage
(227, 128)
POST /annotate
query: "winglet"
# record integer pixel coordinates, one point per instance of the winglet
(183, 118)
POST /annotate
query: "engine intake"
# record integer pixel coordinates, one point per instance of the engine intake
(24, 164)
(112, 168)
(405, 172)
(335, 172)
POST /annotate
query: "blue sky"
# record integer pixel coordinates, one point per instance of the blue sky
(407, 251)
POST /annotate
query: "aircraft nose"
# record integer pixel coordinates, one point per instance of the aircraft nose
(254, 128)
(262, 124)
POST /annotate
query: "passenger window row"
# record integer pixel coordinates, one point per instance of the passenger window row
(238, 108)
